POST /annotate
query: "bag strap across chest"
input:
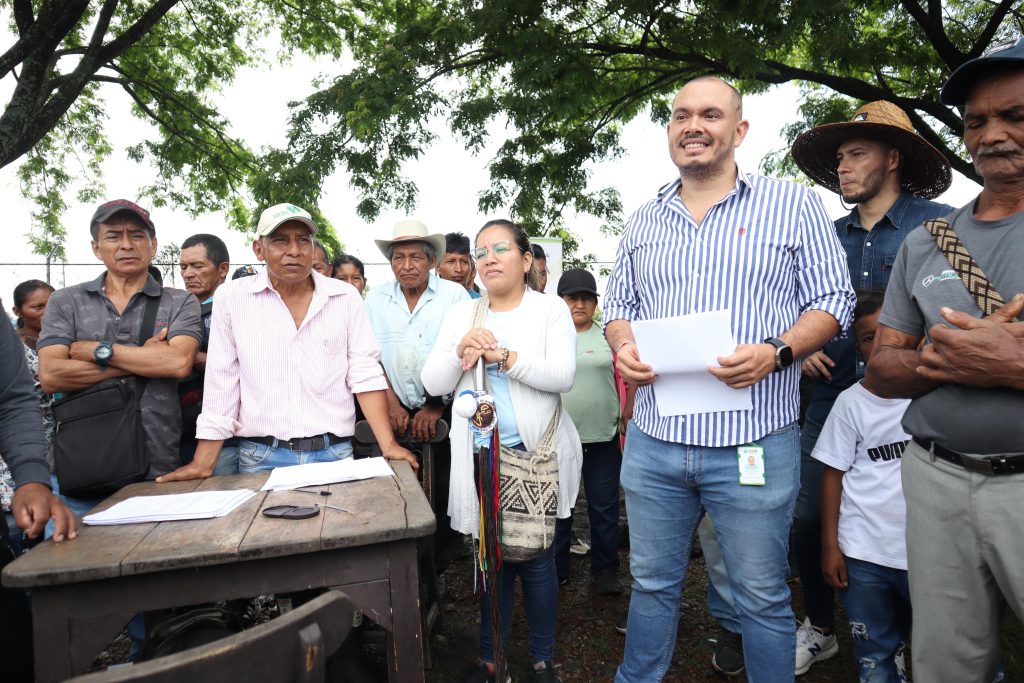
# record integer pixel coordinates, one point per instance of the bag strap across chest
(546, 445)
(970, 273)
(145, 332)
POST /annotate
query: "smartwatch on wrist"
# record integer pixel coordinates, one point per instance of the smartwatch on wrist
(783, 353)
(103, 353)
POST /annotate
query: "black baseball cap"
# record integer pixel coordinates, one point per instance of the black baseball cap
(576, 280)
(954, 92)
(108, 209)
(243, 271)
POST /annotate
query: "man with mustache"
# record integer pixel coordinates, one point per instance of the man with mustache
(876, 162)
(291, 351)
(963, 471)
(766, 251)
(91, 332)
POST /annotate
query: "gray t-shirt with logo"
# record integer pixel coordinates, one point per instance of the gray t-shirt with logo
(961, 418)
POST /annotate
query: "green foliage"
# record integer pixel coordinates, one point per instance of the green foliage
(170, 57)
(49, 169)
(553, 81)
(558, 80)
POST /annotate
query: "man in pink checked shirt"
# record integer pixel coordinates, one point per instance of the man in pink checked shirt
(289, 349)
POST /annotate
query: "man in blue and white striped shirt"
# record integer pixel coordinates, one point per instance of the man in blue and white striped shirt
(765, 250)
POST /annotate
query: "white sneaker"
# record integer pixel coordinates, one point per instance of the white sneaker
(578, 546)
(813, 646)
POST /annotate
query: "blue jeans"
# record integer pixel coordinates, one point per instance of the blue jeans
(540, 600)
(80, 506)
(668, 486)
(227, 461)
(601, 464)
(819, 597)
(258, 457)
(877, 602)
(720, 602)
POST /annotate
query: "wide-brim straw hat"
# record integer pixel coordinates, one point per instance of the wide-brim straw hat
(412, 230)
(925, 171)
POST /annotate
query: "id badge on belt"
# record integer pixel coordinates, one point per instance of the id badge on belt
(751, 464)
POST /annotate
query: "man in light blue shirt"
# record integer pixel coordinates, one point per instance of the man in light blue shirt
(406, 316)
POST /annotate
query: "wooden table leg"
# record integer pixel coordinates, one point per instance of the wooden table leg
(405, 640)
(51, 634)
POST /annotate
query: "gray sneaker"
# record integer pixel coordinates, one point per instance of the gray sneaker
(813, 646)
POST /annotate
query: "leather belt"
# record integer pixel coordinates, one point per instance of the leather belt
(308, 443)
(993, 464)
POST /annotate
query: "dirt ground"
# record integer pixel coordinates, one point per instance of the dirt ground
(588, 648)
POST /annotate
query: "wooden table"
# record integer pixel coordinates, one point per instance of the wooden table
(84, 591)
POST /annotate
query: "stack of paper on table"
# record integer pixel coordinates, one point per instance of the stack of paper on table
(317, 473)
(680, 350)
(177, 506)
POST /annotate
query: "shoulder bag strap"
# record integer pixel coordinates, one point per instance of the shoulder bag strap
(547, 442)
(479, 318)
(971, 274)
(145, 332)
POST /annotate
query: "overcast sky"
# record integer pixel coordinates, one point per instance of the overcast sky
(449, 178)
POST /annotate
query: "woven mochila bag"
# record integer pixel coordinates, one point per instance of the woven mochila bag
(527, 485)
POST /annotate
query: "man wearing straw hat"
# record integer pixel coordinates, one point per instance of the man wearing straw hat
(876, 162)
(406, 315)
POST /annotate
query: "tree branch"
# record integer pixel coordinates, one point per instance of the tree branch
(133, 33)
(928, 133)
(931, 24)
(129, 84)
(213, 156)
(23, 17)
(985, 37)
(636, 93)
(72, 84)
(851, 87)
(55, 20)
(102, 24)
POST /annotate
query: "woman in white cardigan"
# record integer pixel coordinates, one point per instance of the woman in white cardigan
(531, 338)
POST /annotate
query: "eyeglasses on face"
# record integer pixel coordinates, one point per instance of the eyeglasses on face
(498, 248)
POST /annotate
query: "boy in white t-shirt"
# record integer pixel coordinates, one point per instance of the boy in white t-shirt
(863, 515)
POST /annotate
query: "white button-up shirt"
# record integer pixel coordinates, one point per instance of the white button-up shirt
(264, 377)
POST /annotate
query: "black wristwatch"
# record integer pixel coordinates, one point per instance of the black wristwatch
(103, 353)
(783, 353)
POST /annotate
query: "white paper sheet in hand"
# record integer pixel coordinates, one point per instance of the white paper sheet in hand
(172, 507)
(680, 350)
(317, 473)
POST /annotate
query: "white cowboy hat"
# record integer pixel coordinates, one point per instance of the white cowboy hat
(412, 230)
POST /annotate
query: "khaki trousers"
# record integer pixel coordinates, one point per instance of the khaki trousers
(965, 548)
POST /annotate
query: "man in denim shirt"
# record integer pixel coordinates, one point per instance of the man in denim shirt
(878, 163)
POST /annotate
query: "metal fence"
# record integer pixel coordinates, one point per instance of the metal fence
(66, 274)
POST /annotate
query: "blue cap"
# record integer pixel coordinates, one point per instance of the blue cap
(954, 92)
